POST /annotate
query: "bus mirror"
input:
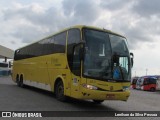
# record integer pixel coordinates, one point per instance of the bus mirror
(132, 56)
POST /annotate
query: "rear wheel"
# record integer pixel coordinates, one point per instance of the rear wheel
(59, 91)
(98, 101)
(152, 89)
(17, 80)
(21, 82)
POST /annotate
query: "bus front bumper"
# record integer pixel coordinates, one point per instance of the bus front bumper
(104, 95)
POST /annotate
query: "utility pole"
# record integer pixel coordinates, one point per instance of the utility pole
(146, 71)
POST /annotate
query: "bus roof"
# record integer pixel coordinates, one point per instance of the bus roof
(149, 77)
(76, 26)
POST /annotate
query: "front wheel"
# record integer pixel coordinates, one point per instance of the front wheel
(98, 101)
(59, 91)
(152, 89)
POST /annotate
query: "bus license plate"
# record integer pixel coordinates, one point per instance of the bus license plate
(110, 96)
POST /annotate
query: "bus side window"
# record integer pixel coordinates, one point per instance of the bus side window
(60, 42)
(146, 81)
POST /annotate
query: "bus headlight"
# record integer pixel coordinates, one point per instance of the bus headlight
(91, 87)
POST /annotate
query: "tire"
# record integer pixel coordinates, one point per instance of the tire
(59, 91)
(18, 81)
(152, 89)
(98, 101)
(21, 82)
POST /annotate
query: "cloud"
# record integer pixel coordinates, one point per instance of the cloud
(127, 18)
(80, 11)
(33, 21)
(147, 8)
(33, 13)
(30, 22)
(115, 5)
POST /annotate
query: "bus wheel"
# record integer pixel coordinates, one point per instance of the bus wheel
(17, 80)
(21, 82)
(98, 101)
(59, 91)
(152, 89)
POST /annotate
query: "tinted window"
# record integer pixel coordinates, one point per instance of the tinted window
(119, 45)
(97, 59)
(134, 81)
(50, 46)
(73, 38)
(3, 65)
(43, 47)
(60, 42)
(152, 80)
(53, 44)
(76, 61)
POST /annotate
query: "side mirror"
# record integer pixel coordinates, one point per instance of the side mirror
(132, 56)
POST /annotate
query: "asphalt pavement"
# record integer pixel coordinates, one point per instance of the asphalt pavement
(14, 98)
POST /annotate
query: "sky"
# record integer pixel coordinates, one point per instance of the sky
(25, 21)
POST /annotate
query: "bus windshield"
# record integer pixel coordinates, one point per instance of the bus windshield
(106, 56)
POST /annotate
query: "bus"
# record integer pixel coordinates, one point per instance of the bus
(147, 83)
(5, 68)
(158, 81)
(81, 62)
(133, 82)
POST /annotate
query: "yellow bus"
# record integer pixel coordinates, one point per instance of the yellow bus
(81, 62)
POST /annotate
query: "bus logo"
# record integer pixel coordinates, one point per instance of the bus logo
(6, 114)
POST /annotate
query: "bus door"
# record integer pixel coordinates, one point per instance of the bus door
(145, 85)
(152, 84)
(76, 71)
(74, 62)
(138, 83)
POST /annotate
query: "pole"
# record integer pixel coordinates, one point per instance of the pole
(146, 71)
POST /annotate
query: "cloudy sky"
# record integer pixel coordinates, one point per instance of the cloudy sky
(25, 21)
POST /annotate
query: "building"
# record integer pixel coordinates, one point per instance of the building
(6, 53)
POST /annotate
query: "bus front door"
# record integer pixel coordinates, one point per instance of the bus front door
(76, 72)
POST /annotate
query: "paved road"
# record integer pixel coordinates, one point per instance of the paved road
(13, 98)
